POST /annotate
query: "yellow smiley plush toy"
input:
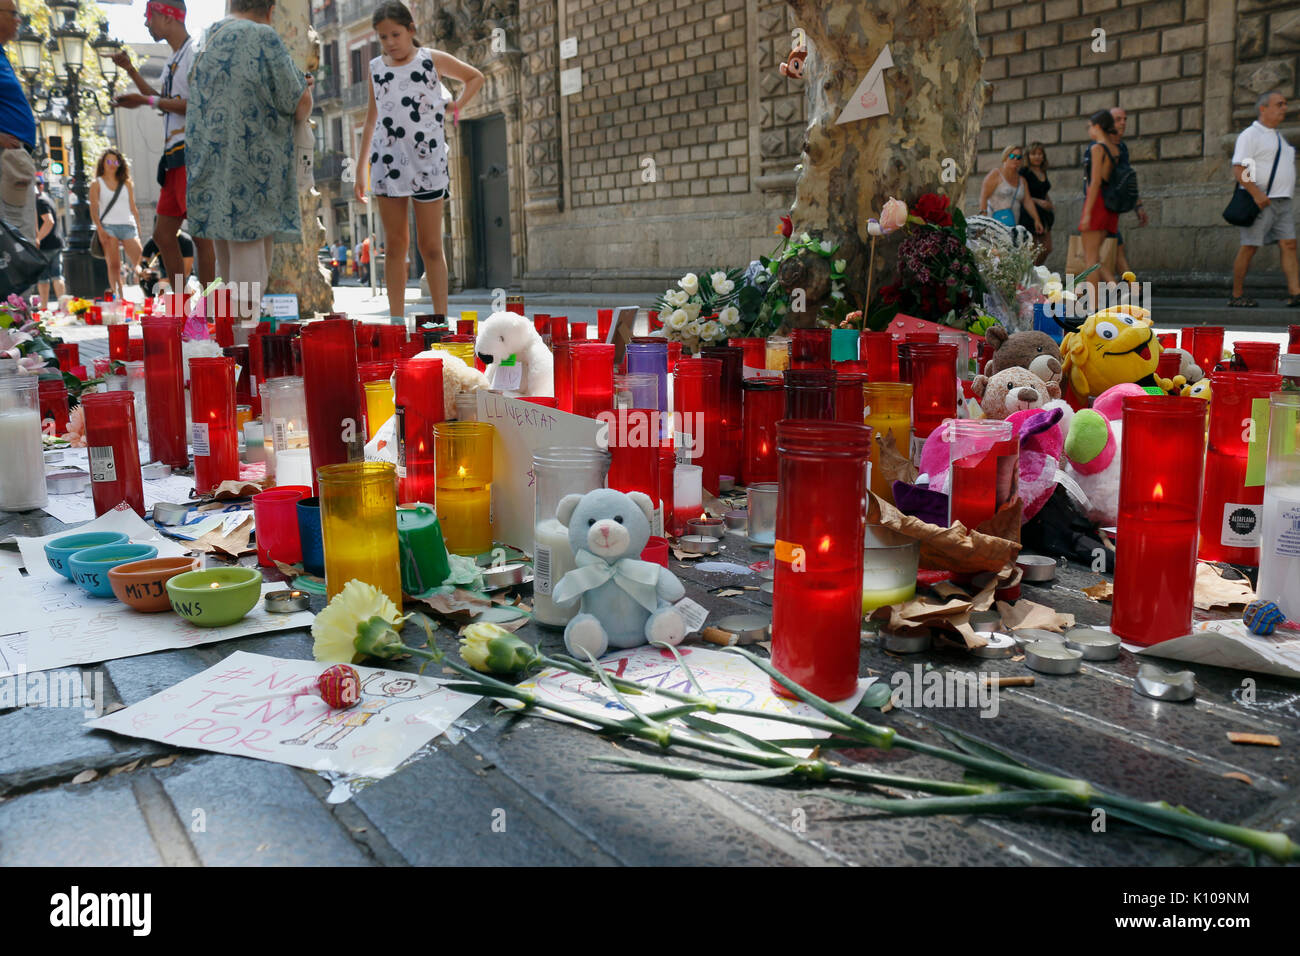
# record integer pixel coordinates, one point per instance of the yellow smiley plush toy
(1111, 347)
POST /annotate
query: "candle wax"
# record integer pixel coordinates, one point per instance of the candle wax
(466, 518)
(1155, 573)
(900, 428)
(552, 559)
(22, 461)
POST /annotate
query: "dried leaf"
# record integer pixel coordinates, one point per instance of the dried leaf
(952, 549)
(683, 556)
(164, 761)
(232, 545)
(1237, 775)
(85, 776)
(290, 571)
(729, 592)
(1214, 590)
(1263, 740)
(125, 768)
(1101, 591)
(235, 489)
(460, 605)
(894, 465)
(1026, 614)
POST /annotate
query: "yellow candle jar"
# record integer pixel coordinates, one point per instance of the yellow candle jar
(462, 350)
(379, 405)
(777, 353)
(358, 509)
(888, 410)
(463, 465)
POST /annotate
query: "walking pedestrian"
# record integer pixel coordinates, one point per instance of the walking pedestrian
(49, 236)
(1263, 155)
(1121, 148)
(17, 136)
(166, 22)
(1096, 221)
(363, 257)
(407, 156)
(1034, 173)
(116, 218)
(1004, 192)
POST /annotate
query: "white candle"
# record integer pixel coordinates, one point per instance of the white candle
(552, 559)
(22, 461)
(293, 466)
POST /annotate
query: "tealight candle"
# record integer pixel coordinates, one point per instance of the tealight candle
(285, 602)
(705, 525)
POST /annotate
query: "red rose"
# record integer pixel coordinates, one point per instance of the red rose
(890, 294)
(787, 226)
(933, 208)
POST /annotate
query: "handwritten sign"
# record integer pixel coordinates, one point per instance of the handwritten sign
(725, 677)
(522, 428)
(869, 99)
(280, 306)
(397, 714)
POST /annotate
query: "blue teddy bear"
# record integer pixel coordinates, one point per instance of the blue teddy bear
(626, 602)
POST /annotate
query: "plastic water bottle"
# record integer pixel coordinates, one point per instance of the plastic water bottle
(1279, 559)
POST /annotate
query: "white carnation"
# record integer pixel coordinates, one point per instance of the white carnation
(729, 316)
(690, 282)
(710, 330)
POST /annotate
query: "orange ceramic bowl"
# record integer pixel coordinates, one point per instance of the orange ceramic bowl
(142, 585)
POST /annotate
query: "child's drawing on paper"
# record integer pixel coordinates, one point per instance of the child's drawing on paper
(379, 691)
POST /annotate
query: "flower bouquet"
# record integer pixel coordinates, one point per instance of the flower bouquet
(769, 307)
(702, 312)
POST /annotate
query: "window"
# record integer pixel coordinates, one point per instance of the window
(358, 66)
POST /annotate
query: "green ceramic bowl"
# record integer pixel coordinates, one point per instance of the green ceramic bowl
(194, 598)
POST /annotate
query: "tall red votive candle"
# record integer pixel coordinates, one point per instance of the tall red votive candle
(983, 456)
(225, 327)
(934, 385)
(418, 400)
(578, 331)
(732, 429)
(562, 374)
(69, 355)
(117, 338)
(764, 406)
(1161, 470)
(1167, 340)
(674, 356)
(592, 376)
(542, 323)
(213, 435)
(634, 453)
(1168, 364)
(391, 338)
(754, 349)
(697, 392)
(848, 395)
(114, 450)
(334, 418)
(810, 348)
(1231, 512)
(604, 319)
(881, 354)
(277, 355)
(245, 393)
(1293, 339)
(667, 463)
(1206, 346)
(820, 523)
(164, 384)
(559, 328)
(1257, 356)
(903, 354)
(810, 393)
(53, 396)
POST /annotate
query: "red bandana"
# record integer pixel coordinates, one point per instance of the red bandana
(176, 13)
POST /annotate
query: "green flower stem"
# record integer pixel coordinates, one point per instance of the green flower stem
(985, 803)
(1277, 845)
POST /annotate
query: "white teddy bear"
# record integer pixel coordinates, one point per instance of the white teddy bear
(507, 336)
(457, 378)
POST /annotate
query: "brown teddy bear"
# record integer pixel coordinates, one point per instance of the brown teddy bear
(1011, 390)
(1036, 351)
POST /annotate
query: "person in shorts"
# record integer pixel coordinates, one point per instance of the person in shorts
(1264, 163)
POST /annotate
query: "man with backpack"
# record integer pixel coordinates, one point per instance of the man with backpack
(1263, 156)
(1121, 123)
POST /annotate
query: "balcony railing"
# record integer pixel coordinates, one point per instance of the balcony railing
(327, 15)
(327, 166)
(326, 88)
(358, 94)
(352, 10)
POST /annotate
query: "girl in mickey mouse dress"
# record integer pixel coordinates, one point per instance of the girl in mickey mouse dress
(404, 150)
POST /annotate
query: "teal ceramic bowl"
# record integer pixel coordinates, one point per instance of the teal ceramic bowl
(194, 597)
(59, 550)
(90, 566)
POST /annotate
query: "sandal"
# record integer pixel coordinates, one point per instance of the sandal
(1293, 302)
(1242, 302)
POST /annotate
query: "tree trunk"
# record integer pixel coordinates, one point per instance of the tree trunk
(295, 267)
(935, 98)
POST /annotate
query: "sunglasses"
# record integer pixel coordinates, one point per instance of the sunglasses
(1014, 156)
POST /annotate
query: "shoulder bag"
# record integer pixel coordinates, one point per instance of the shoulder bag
(1242, 210)
(96, 247)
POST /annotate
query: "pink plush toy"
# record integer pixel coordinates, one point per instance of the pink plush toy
(1092, 446)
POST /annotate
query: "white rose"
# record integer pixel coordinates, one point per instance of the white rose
(692, 310)
(677, 298)
(804, 237)
(710, 330)
(691, 329)
(677, 320)
(839, 265)
(827, 246)
(716, 279)
(690, 282)
(724, 287)
(729, 316)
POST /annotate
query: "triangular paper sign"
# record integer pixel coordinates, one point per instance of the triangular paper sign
(869, 98)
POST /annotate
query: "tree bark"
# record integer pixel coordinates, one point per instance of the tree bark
(935, 97)
(295, 267)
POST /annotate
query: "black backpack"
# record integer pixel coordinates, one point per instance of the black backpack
(1120, 192)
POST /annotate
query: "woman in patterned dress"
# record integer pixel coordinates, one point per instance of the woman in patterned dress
(404, 150)
(245, 96)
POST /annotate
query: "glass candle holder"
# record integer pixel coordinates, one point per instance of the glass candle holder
(1257, 356)
(983, 456)
(542, 323)
(277, 356)
(887, 409)
(764, 406)
(214, 437)
(284, 420)
(419, 407)
(358, 504)
(224, 333)
(760, 522)
(379, 405)
(1161, 472)
(844, 345)
(651, 358)
(562, 374)
(465, 326)
(1168, 364)
(578, 331)
(962, 343)
(165, 390)
(934, 385)
(889, 565)
(329, 365)
(903, 353)
(114, 451)
(1167, 340)
(1206, 346)
(754, 351)
(881, 354)
(463, 461)
(1279, 559)
(777, 353)
(810, 348)
(275, 518)
(53, 394)
(592, 375)
(849, 403)
(117, 338)
(391, 338)
(636, 390)
(688, 497)
(604, 320)
(634, 457)
(697, 392)
(424, 559)
(1231, 511)
(559, 328)
(558, 472)
(1293, 339)
(729, 417)
(674, 356)
(309, 536)
(68, 355)
(810, 393)
(817, 588)
(22, 463)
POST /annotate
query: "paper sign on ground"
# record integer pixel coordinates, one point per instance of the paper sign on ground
(869, 99)
(71, 509)
(1228, 643)
(65, 625)
(125, 521)
(520, 429)
(728, 678)
(397, 714)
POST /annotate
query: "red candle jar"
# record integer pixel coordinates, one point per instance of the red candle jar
(515, 304)
(881, 355)
(820, 524)
(903, 353)
(764, 406)
(1168, 364)
(224, 327)
(810, 393)
(729, 420)
(135, 347)
(114, 450)
(1159, 505)
(542, 323)
(277, 355)
(334, 419)
(117, 339)
(68, 354)
(697, 391)
(547, 400)
(1293, 338)
(561, 375)
(810, 348)
(164, 389)
(418, 404)
(592, 377)
(578, 331)
(923, 338)
(1167, 340)
(667, 463)
(604, 319)
(986, 355)
(1206, 346)
(559, 328)
(391, 338)
(934, 385)
(1256, 356)
(634, 452)
(275, 515)
(984, 455)
(754, 349)
(412, 347)
(245, 394)
(466, 326)
(1231, 513)
(367, 337)
(212, 434)
(848, 395)
(53, 396)
(374, 371)
(674, 356)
